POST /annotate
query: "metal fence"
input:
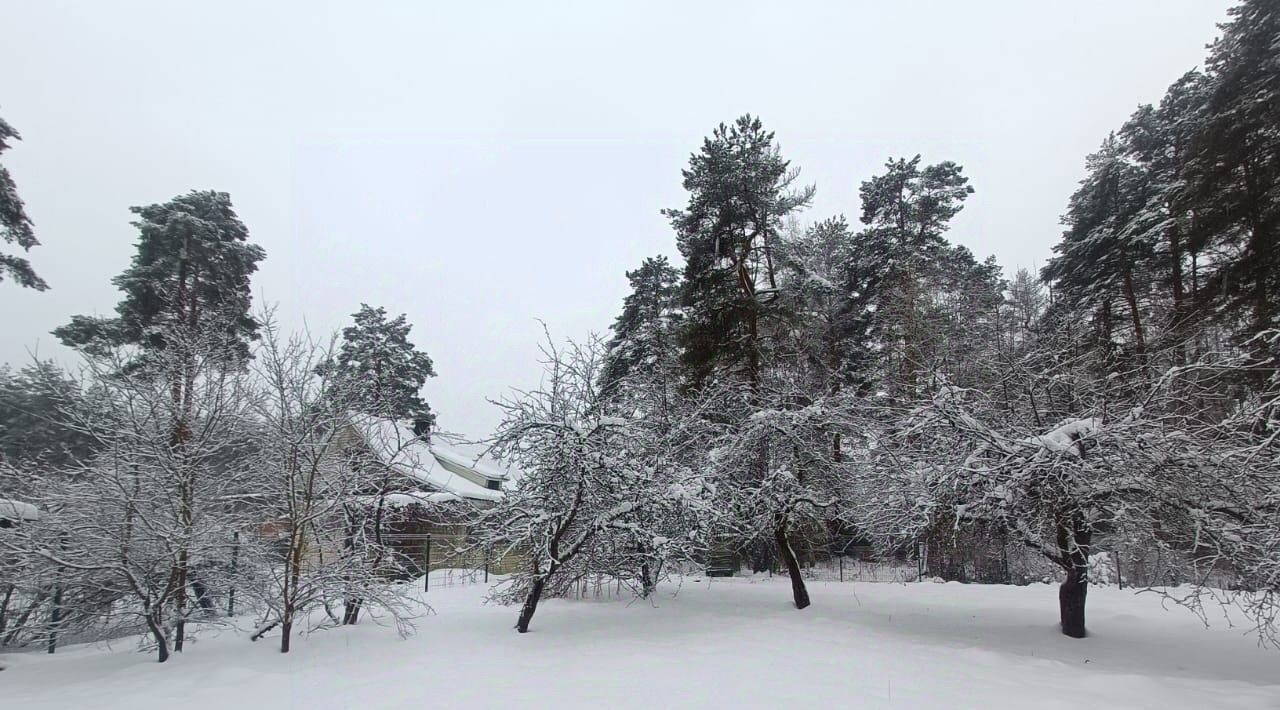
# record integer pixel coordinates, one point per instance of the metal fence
(445, 560)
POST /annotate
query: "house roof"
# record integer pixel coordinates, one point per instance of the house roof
(18, 511)
(397, 447)
(473, 462)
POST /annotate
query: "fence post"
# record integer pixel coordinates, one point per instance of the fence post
(426, 585)
(55, 612)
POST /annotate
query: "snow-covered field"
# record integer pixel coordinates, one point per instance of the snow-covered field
(730, 643)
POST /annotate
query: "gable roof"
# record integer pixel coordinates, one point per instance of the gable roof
(435, 465)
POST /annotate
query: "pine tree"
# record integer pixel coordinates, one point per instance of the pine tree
(1099, 259)
(1027, 301)
(644, 333)
(191, 271)
(965, 315)
(1157, 141)
(34, 418)
(384, 367)
(907, 211)
(185, 311)
(1233, 171)
(739, 196)
(828, 304)
(15, 225)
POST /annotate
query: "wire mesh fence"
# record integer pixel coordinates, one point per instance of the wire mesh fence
(450, 559)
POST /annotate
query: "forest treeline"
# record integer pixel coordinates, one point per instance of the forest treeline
(794, 383)
(873, 383)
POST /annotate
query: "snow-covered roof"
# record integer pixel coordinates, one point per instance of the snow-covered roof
(17, 510)
(419, 497)
(475, 462)
(399, 448)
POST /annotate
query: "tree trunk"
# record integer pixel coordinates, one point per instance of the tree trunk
(157, 630)
(1074, 540)
(530, 605)
(180, 602)
(292, 578)
(351, 605)
(1071, 598)
(1175, 276)
(798, 591)
(647, 580)
(4, 609)
(351, 612)
(235, 568)
(55, 618)
(1131, 298)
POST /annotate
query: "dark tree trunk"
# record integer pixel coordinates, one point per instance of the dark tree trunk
(351, 612)
(1131, 298)
(530, 605)
(1175, 276)
(235, 566)
(186, 507)
(157, 631)
(286, 633)
(1074, 540)
(1071, 598)
(180, 628)
(4, 609)
(293, 576)
(798, 591)
(351, 606)
(55, 618)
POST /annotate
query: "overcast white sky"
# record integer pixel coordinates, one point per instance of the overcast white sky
(482, 165)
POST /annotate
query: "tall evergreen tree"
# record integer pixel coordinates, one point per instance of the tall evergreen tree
(965, 312)
(1157, 140)
(184, 313)
(377, 360)
(191, 271)
(1099, 258)
(906, 210)
(824, 282)
(1233, 171)
(739, 196)
(35, 426)
(15, 225)
(644, 333)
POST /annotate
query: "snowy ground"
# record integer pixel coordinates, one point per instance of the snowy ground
(731, 643)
